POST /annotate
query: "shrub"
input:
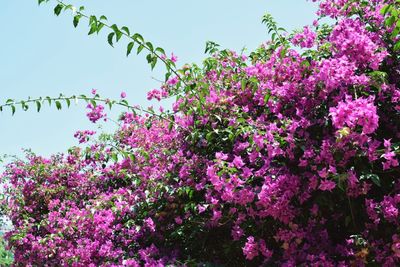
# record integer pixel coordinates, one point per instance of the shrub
(287, 156)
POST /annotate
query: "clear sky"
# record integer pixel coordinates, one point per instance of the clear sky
(42, 54)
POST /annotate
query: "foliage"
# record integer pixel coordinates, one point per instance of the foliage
(6, 257)
(287, 157)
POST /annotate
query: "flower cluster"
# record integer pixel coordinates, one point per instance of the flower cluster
(96, 112)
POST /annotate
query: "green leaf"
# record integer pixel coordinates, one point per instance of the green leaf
(94, 104)
(385, 9)
(58, 105)
(38, 106)
(160, 50)
(93, 29)
(266, 98)
(211, 47)
(110, 38)
(373, 177)
(390, 21)
(48, 100)
(68, 7)
(170, 125)
(149, 58)
(138, 38)
(125, 29)
(76, 20)
(68, 102)
(119, 35)
(153, 62)
(129, 48)
(139, 49)
(396, 46)
(124, 102)
(103, 17)
(114, 156)
(92, 20)
(24, 106)
(114, 27)
(117, 32)
(100, 26)
(150, 46)
(13, 109)
(57, 9)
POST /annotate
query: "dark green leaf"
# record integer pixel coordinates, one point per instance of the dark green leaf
(38, 105)
(129, 48)
(76, 20)
(58, 104)
(160, 50)
(110, 38)
(153, 62)
(138, 38)
(93, 29)
(396, 46)
(57, 9)
(373, 177)
(140, 48)
(150, 46)
(48, 100)
(94, 104)
(100, 25)
(125, 29)
(92, 20)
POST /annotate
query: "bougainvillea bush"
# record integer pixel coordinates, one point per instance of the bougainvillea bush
(287, 156)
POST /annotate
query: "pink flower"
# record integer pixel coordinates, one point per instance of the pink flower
(95, 113)
(327, 185)
(149, 223)
(174, 58)
(173, 81)
(305, 39)
(238, 162)
(250, 249)
(123, 94)
(83, 136)
(359, 112)
(178, 220)
(396, 245)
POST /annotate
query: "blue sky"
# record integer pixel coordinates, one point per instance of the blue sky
(42, 54)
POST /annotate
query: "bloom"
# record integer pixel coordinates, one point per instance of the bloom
(250, 249)
(359, 112)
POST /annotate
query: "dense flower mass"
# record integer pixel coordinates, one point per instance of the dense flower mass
(360, 112)
(279, 158)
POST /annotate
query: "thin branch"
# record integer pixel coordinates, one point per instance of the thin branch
(24, 103)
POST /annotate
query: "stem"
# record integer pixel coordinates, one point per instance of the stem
(87, 99)
(352, 214)
(167, 64)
